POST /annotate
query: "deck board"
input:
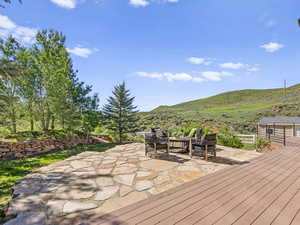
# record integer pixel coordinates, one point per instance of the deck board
(264, 191)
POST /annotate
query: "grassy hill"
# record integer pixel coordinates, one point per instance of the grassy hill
(238, 109)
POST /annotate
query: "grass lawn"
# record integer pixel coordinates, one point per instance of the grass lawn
(11, 170)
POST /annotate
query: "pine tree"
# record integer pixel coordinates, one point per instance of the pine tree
(120, 114)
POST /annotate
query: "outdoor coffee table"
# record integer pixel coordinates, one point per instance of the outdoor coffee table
(185, 142)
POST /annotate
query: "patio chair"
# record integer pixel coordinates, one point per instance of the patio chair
(156, 141)
(198, 134)
(206, 145)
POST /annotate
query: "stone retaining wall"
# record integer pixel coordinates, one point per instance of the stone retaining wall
(10, 150)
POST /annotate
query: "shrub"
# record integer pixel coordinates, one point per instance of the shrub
(262, 144)
(229, 140)
(226, 138)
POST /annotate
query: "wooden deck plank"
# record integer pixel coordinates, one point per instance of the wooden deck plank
(220, 207)
(240, 209)
(271, 212)
(264, 191)
(261, 203)
(288, 213)
(186, 193)
(226, 195)
(296, 219)
(179, 211)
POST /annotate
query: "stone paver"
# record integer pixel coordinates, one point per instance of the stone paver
(93, 182)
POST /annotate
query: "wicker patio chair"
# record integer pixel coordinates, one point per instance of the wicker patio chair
(206, 145)
(156, 141)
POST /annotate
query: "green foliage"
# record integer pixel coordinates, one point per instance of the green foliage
(12, 170)
(239, 110)
(249, 146)
(262, 144)
(39, 87)
(120, 114)
(226, 138)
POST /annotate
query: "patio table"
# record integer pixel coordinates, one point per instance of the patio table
(184, 141)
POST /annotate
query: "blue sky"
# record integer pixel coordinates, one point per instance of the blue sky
(170, 51)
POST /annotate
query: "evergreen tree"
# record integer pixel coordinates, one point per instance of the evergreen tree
(119, 113)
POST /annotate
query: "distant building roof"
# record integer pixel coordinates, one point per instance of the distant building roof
(280, 120)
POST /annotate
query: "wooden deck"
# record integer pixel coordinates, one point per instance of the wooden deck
(263, 191)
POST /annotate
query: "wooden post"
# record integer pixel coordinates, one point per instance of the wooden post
(191, 148)
(206, 153)
(294, 129)
(155, 149)
(168, 147)
(284, 137)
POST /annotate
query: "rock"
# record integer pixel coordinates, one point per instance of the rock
(106, 193)
(188, 168)
(126, 179)
(158, 165)
(145, 175)
(55, 207)
(75, 206)
(80, 164)
(104, 181)
(143, 185)
(28, 218)
(21, 204)
(185, 175)
(161, 179)
(124, 190)
(80, 194)
(124, 170)
(104, 171)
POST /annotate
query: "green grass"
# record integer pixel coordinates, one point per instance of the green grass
(240, 110)
(12, 170)
(249, 146)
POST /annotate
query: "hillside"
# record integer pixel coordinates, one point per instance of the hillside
(239, 109)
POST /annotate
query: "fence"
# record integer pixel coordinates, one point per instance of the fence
(275, 133)
(247, 139)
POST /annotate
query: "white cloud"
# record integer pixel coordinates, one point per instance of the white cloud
(215, 75)
(199, 61)
(69, 4)
(204, 76)
(172, 1)
(139, 3)
(170, 76)
(272, 47)
(233, 66)
(150, 75)
(144, 3)
(21, 33)
(227, 74)
(212, 75)
(81, 52)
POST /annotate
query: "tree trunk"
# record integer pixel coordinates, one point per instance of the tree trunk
(31, 116)
(13, 119)
(53, 122)
(48, 117)
(63, 122)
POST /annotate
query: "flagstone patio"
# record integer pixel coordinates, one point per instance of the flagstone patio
(92, 183)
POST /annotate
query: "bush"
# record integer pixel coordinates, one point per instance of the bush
(262, 144)
(229, 140)
(226, 138)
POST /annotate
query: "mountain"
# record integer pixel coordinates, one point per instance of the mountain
(236, 108)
